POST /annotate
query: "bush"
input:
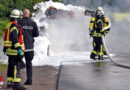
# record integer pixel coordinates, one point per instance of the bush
(2, 26)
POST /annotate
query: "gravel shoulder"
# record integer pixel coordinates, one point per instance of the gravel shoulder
(44, 78)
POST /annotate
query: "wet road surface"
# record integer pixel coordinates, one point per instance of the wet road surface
(95, 75)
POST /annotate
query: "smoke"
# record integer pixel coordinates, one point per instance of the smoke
(118, 38)
(67, 34)
(122, 4)
(115, 4)
(72, 34)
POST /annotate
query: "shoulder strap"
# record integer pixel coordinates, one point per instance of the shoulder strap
(14, 23)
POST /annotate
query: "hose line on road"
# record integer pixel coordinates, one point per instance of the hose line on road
(104, 45)
(118, 64)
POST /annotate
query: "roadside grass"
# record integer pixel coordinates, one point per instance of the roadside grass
(122, 16)
(3, 66)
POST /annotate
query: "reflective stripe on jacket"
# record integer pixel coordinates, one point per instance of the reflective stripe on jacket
(14, 44)
(93, 27)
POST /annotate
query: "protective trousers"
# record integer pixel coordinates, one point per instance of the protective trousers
(97, 47)
(13, 72)
(28, 58)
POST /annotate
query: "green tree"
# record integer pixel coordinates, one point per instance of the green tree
(57, 0)
(7, 5)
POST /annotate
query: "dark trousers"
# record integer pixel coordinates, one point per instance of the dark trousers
(97, 46)
(13, 72)
(28, 58)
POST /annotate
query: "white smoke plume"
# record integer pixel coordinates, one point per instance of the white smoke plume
(66, 34)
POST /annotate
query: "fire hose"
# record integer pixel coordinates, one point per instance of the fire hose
(104, 45)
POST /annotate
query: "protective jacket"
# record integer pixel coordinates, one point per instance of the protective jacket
(30, 30)
(96, 30)
(13, 38)
(101, 23)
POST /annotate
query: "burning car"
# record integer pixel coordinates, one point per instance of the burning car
(53, 13)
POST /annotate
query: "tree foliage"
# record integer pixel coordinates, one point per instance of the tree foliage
(7, 5)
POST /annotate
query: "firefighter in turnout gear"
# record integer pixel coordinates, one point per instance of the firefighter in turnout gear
(14, 47)
(97, 24)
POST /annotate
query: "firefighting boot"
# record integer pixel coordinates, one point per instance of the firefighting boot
(9, 84)
(104, 53)
(28, 82)
(100, 57)
(92, 56)
(17, 86)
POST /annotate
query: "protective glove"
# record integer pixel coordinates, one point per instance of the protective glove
(103, 33)
(19, 52)
(90, 33)
(4, 50)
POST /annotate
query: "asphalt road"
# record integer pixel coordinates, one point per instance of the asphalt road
(95, 75)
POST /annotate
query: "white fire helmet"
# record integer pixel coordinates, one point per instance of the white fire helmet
(15, 13)
(99, 11)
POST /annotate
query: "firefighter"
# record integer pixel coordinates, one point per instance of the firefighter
(97, 24)
(30, 30)
(14, 47)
